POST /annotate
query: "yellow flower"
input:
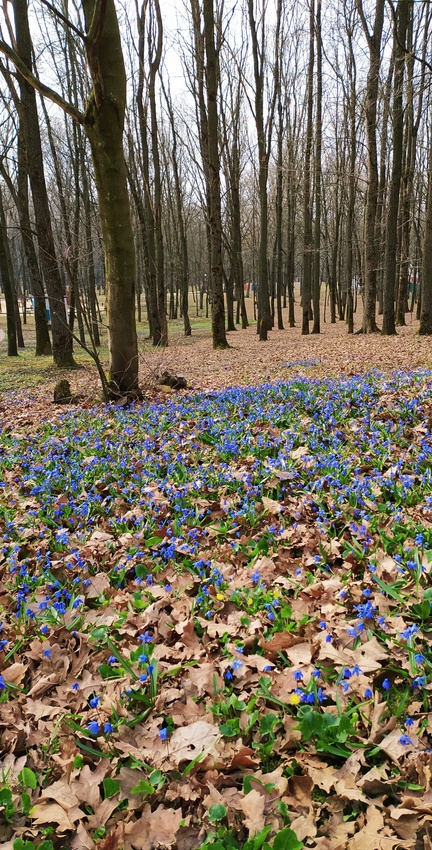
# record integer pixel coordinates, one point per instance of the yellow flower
(220, 596)
(250, 601)
(294, 699)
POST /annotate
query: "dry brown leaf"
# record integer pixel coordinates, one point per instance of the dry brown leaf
(252, 806)
(15, 673)
(296, 454)
(82, 840)
(187, 742)
(271, 506)
(44, 813)
(393, 749)
(154, 829)
(62, 793)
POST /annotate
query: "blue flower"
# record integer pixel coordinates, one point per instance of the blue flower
(93, 727)
(94, 702)
(409, 722)
(386, 685)
(146, 638)
(163, 733)
(405, 740)
(419, 682)
(108, 728)
(410, 631)
(2, 683)
(47, 653)
(366, 611)
(75, 686)
(298, 675)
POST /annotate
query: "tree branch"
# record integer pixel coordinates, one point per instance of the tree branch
(64, 20)
(44, 90)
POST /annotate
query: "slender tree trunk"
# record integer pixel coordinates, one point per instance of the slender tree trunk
(62, 339)
(155, 55)
(371, 241)
(7, 286)
(43, 342)
(425, 328)
(401, 25)
(307, 202)
(215, 216)
(318, 147)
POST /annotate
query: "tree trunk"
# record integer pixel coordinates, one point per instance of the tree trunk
(402, 16)
(103, 121)
(371, 245)
(7, 286)
(215, 216)
(425, 328)
(61, 336)
(318, 147)
(307, 211)
(43, 342)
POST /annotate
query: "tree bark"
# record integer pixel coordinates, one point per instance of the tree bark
(401, 24)
(215, 216)
(307, 202)
(12, 348)
(103, 122)
(371, 241)
(61, 336)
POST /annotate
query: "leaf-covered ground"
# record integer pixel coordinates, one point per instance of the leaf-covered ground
(216, 619)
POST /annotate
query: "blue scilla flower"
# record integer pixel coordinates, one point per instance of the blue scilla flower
(366, 611)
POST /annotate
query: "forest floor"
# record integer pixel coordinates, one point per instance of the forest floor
(216, 606)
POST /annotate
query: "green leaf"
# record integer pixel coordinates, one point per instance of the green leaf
(267, 722)
(143, 787)
(156, 778)
(286, 839)
(388, 589)
(123, 661)
(100, 633)
(216, 812)
(27, 778)
(258, 840)
(110, 786)
(247, 784)
(25, 803)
